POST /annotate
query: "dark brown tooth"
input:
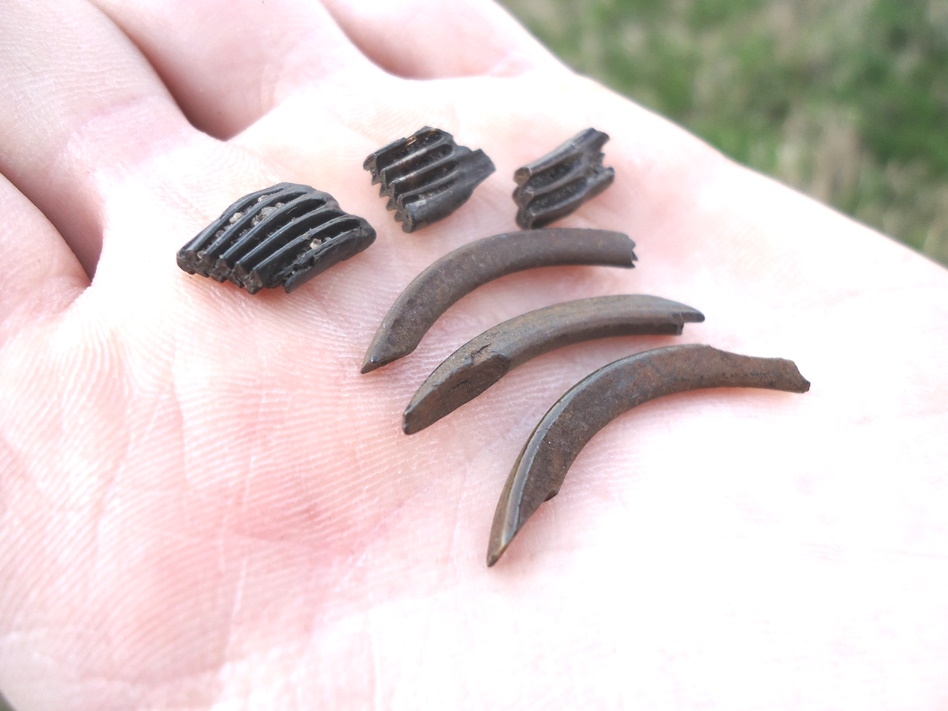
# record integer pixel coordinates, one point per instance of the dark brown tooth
(460, 272)
(281, 236)
(562, 180)
(426, 176)
(484, 360)
(602, 396)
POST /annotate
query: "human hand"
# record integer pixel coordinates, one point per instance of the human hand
(205, 505)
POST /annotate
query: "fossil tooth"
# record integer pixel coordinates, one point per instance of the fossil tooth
(599, 398)
(485, 359)
(465, 269)
(283, 235)
(426, 176)
(558, 183)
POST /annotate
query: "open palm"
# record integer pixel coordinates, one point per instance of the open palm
(205, 505)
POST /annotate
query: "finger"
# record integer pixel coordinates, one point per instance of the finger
(82, 109)
(228, 62)
(425, 39)
(40, 273)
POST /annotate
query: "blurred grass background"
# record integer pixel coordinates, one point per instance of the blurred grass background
(846, 100)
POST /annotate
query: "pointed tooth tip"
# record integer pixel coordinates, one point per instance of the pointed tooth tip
(418, 417)
(410, 423)
(497, 544)
(382, 352)
(374, 359)
(370, 364)
(409, 426)
(378, 353)
(494, 553)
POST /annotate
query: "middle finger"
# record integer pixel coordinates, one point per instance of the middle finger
(228, 62)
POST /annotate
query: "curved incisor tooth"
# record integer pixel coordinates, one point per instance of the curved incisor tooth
(458, 273)
(559, 182)
(283, 235)
(426, 176)
(485, 359)
(599, 398)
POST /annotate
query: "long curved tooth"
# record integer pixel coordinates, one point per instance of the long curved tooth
(485, 359)
(462, 271)
(599, 398)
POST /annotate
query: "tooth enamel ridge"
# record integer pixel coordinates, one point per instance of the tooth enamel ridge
(283, 235)
(426, 176)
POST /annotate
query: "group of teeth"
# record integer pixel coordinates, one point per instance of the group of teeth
(589, 405)
(288, 233)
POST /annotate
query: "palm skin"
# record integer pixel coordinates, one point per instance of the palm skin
(205, 505)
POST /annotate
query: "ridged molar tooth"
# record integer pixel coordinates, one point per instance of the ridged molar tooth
(426, 176)
(558, 183)
(281, 236)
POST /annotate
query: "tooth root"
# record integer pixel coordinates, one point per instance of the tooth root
(561, 181)
(280, 236)
(426, 176)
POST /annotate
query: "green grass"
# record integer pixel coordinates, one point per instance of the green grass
(846, 100)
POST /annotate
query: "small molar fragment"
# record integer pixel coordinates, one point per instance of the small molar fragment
(283, 235)
(426, 176)
(559, 182)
